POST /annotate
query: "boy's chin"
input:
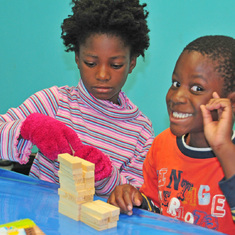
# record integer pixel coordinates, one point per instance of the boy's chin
(177, 131)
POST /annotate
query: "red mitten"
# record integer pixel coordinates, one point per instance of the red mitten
(51, 136)
(103, 166)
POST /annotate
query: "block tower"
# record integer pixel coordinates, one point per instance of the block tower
(76, 193)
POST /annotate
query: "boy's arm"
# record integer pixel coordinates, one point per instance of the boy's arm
(219, 133)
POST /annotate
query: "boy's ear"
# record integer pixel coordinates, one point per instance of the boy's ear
(77, 59)
(231, 96)
(132, 63)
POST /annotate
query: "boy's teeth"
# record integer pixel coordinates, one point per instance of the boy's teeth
(181, 115)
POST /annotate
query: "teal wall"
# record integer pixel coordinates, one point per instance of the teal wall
(32, 55)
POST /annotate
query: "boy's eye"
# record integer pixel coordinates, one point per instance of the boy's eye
(197, 88)
(175, 84)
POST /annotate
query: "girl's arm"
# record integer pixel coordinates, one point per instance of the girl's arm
(131, 173)
(12, 147)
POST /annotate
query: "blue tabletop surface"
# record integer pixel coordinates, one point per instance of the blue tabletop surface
(24, 197)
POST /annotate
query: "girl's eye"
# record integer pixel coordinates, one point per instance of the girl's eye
(90, 64)
(197, 88)
(175, 84)
(116, 66)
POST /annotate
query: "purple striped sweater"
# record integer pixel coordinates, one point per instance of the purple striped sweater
(122, 132)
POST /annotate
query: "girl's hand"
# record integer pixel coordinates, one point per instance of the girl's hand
(125, 196)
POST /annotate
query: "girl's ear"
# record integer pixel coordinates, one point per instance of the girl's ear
(132, 64)
(77, 59)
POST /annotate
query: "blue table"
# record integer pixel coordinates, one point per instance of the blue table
(24, 197)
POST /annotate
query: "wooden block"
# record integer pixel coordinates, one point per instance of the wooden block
(114, 211)
(75, 198)
(90, 185)
(88, 174)
(70, 161)
(67, 211)
(113, 219)
(112, 225)
(65, 184)
(75, 174)
(72, 200)
(96, 210)
(87, 166)
(97, 226)
(96, 220)
(89, 180)
(72, 207)
(89, 198)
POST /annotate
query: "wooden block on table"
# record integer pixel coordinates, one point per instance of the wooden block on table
(74, 174)
(114, 211)
(70, 161)
(70, 197)
(88, 174)
(97, 223)
(100, 209)
(87, 166)
(77, 194)
(68, 186)
(69, 211)
(96, 220)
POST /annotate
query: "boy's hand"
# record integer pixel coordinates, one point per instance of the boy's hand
(125, 196)
(217, 132)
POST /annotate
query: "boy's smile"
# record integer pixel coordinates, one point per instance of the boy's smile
(193, 82)
(104, 63)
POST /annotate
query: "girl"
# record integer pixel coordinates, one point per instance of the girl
(106, 37)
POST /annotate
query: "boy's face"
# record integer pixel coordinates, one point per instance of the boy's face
(104, 63)
(193, 81)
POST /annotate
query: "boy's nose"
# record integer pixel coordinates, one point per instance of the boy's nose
(103, 73)
(179, 96)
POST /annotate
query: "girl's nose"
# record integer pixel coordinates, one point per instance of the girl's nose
(103, 73)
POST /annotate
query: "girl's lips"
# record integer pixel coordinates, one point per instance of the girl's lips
(102, 89)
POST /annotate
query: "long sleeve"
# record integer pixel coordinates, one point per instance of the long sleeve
(128, 174)
(228, 189)
(10, 124)
(122, 132)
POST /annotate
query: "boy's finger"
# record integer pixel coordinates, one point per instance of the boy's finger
(215, 95)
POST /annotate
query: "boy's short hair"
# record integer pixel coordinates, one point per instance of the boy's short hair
(220, 49)
(123, 18)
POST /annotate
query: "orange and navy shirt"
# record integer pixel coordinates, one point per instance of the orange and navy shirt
(186, 183)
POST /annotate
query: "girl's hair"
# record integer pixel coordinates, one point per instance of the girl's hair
(221, 50)
(122, 18)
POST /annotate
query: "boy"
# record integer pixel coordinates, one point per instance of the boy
(189, 171)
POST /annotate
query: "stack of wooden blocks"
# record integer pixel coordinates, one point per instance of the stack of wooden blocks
(76, 192)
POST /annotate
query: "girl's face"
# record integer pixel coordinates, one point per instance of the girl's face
(193, 81)
(104, 63)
